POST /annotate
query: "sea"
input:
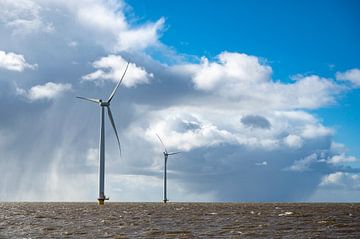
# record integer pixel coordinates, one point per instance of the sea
(179, 220)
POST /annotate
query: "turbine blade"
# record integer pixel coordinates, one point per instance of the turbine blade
(174, 153)
(162, 143)
(89, 99)
(113, 125)
(118, 84)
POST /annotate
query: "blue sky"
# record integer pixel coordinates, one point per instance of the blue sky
(261, 98)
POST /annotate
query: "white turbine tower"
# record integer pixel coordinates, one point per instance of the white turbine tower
(104, 104)
(166, 154)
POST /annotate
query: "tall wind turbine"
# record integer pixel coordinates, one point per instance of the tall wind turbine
(166, 154)
(104, 104)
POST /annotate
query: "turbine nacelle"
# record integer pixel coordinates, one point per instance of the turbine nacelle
(98, 101)
(166, 154)
(104, 103)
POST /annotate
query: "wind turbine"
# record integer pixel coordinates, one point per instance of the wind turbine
(103, 105)
(166, 154)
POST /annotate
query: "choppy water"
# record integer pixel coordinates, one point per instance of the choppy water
(179, 220)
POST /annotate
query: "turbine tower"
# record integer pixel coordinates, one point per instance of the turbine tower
(103, 105)
(166, 154)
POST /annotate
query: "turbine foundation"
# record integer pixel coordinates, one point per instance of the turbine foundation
(101, 202)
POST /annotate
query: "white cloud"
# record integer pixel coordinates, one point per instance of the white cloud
(233, 69)
(184, 131)
(352, 75)
(293, 141)
(49, 91)
(315, 130)
(342, 180)
(100, 15)
(333, 178)
(191, 127)
(296, 116)
(107, 20)
(341, 159)
(310, 92)
(23, 16)
(112, 68)
(244, 78)
(140, 38)
(14, 62)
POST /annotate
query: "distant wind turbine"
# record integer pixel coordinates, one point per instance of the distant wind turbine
(104, 104)
(166, 154)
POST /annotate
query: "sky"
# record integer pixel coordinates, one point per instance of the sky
(261, 98)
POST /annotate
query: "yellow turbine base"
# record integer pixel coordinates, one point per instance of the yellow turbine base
(101, 202)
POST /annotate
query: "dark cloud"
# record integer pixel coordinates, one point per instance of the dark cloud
(256, 121)
(231, 173)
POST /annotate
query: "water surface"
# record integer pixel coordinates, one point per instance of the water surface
(179, 220)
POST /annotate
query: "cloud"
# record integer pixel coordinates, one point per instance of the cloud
(245, 78)
(338, 148)
(190, 127)
(115, 66)
(140, 38)
(256, 121)
(305, 163)
(233, 69)
(107, 20)
(341, 159)
(23, 17)
(50, 90)
(352, 75)
(293, 141)
(313, 131)
(14, 62)
(341, 180)
(338, 186)
(99, 15)
(103, 19)
(185, 132)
